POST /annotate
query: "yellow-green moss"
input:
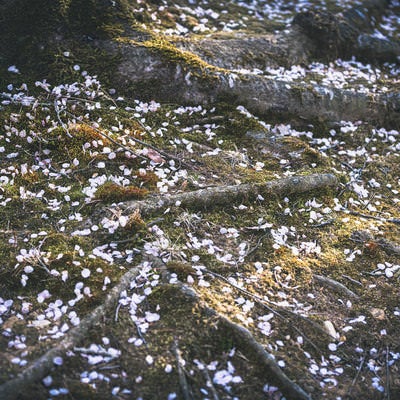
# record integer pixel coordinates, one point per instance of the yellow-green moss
(112, 192)
(162, 46)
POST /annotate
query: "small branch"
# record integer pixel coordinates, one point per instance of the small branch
(358, 214)
(358, 283)
(335, 285)
(182, 377)
(84, 350)
(324, 223)
(356, 377)
(387, 391)
(62, 123)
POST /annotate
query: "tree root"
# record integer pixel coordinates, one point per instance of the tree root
(182, 378)
(260, 94)
(205, 71)
(223, 195)
(200, 199)
(335, 285)
(289, 388)
(45, 364)
(348, 33)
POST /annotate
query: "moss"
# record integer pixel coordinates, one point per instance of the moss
(111, 192)
(148, 178)
(162, 46)
(181, 269)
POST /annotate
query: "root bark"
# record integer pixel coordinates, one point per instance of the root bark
(223, 195)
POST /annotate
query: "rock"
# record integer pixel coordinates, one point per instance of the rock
(330, 330)
(378, 313)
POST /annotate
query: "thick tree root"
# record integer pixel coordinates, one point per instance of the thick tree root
(45, 364)
(209, 70)
(206, 84)
(226, 195)
(181, 373)
(289, 388)
(313, 35)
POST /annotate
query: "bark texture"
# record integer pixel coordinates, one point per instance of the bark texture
(205, 71)
(223, 195)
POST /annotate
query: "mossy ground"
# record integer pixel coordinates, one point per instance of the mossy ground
(286, 277)
(200, 147)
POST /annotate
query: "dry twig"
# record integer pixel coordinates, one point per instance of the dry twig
(209, 383)
(360, 367)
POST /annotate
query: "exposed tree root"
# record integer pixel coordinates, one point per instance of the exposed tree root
(314, 34)
(289, 388)
(205, 71)
(45, 364)
(245, 340)
(177, 80)
(222, 195)
(208, 70)
(335, 285)
(209, 383)
(200, 199)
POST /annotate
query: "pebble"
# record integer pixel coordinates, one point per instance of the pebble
(378, 313)
(330, 330)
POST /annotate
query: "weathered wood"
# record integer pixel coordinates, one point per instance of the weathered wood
(223, 195)
(203, 71)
